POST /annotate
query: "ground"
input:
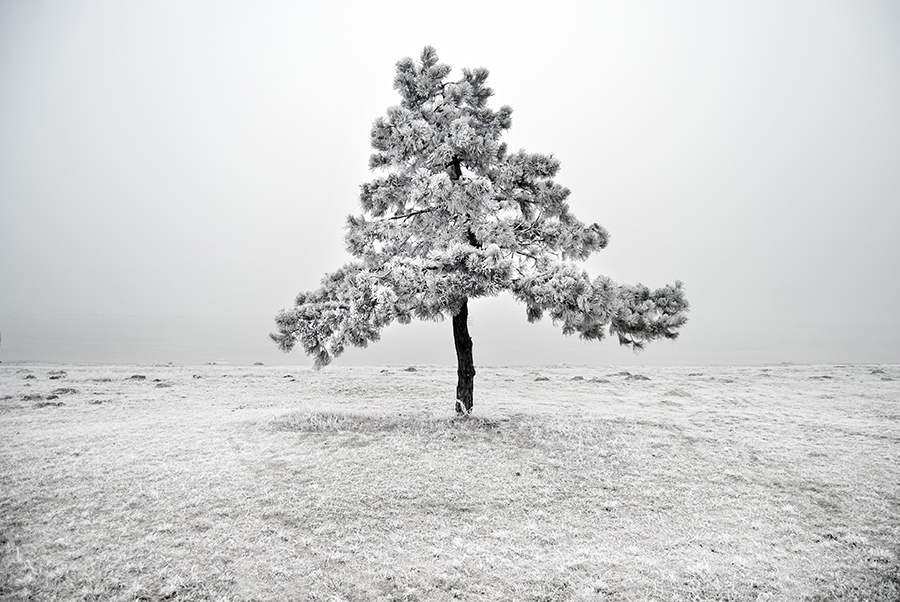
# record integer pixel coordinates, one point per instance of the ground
(358, 483)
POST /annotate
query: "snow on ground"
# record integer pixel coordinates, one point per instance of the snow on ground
(857, 397)
(222, 482)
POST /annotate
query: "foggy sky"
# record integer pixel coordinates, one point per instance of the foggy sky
(173, 173)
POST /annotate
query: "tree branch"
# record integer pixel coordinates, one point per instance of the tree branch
(405, 215)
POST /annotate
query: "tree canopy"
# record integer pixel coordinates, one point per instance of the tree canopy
(452, 215)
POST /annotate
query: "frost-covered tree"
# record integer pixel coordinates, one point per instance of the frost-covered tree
(454, 216)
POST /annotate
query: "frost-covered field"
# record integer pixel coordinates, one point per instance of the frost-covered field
(273, 483)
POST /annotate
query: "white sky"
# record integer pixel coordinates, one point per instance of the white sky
(173, 173)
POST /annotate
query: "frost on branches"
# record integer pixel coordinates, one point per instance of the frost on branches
(454, 216)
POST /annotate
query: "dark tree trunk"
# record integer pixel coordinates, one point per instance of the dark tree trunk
(465, 371)
(465, 385)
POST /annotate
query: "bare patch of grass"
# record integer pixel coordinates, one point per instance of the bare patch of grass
(64, 391)
(331, 422)
(50, 403)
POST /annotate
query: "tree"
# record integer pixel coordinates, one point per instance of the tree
(454, 216)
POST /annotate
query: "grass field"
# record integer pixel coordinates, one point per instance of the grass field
(273, 483)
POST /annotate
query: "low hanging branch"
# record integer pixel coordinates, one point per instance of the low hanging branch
(486, 221)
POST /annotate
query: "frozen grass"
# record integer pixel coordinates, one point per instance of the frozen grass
(260, 483)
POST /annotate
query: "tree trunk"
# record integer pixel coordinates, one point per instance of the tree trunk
(465, 385)
(465, 371)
